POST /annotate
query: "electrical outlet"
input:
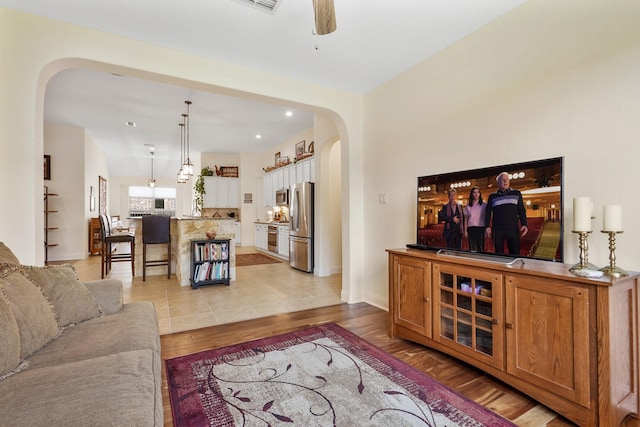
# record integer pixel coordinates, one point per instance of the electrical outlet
(382, 198)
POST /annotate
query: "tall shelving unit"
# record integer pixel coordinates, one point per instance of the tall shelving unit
(47, 228)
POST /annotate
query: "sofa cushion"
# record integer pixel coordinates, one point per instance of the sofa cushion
(108, 294)
(135, 327)
(6, 255)
(120, 389)
(72, 301)
(34, 315)
(9, 337)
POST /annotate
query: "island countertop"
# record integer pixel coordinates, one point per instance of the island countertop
(204, 218)
(260, 221)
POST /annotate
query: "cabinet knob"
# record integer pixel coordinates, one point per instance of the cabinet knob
(509, 325)
(495, 321)
(427, 299)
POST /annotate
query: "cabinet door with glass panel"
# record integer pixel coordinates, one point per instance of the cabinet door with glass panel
(469, 315)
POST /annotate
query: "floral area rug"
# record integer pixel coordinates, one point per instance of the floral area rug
(320, 376)
(254, 259)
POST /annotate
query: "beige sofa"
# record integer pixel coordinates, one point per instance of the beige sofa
(72, 354)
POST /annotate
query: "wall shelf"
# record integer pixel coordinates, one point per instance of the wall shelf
(47, 228)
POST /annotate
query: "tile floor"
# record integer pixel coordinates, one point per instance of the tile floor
(258, 291)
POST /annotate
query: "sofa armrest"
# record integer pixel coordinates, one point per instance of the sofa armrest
(108, 294)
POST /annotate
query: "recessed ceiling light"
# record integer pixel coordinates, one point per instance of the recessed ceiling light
(258, 136)
(288, 114)
(132, 124)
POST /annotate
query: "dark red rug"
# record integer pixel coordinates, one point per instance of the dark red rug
(254, 259)
(320, 376)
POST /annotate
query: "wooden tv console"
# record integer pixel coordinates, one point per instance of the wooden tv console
(567, 341)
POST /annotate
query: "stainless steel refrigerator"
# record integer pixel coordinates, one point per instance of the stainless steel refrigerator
(301, 222)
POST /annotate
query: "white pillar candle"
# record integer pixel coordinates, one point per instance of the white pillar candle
(582, 214)
(612, 218)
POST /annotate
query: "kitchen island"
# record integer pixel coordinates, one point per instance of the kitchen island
(183, 230)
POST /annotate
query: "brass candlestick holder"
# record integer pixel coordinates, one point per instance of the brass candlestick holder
(583, 245)
(612, 269)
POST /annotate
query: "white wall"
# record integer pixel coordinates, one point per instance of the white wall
(328, 227)
(335, 220)
(250, 165)
(219, 159)
(533, 85)
(65, 145)
(73, 154)
(286, 148)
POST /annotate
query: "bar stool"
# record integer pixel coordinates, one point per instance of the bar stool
(108, 239)
(156, 229)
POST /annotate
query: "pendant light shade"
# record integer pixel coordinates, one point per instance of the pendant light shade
(325, 16)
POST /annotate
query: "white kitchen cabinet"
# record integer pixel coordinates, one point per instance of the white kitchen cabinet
(283, 240)
(312, 170)
(210, 189)
(233, 185)
(221, 192)
(278, 181)
(261, 236)
(285, 177)
(305, 170)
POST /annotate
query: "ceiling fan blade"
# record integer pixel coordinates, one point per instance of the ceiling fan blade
(325, 15)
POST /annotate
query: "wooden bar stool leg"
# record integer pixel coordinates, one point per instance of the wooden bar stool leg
(144, 262)
(133, 258)
(102, 260)
(168, 260)
(109, 255)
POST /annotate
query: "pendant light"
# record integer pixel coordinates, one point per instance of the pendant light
(187, 166)
(152, 182)
(182, 177)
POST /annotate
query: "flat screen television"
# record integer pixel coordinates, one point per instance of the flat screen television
(539, 181)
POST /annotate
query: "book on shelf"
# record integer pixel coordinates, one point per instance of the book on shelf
(211, 251)
(211, 270)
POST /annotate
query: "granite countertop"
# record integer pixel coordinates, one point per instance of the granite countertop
(197, 218)
(261, 221)
(208, 218)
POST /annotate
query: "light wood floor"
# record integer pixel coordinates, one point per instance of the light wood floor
(363, 319)
(258, 291)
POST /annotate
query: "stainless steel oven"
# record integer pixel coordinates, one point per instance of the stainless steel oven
(272, 238)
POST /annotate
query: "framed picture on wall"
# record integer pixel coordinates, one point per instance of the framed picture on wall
(102, 196)
(47, 167)
(300, 146)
